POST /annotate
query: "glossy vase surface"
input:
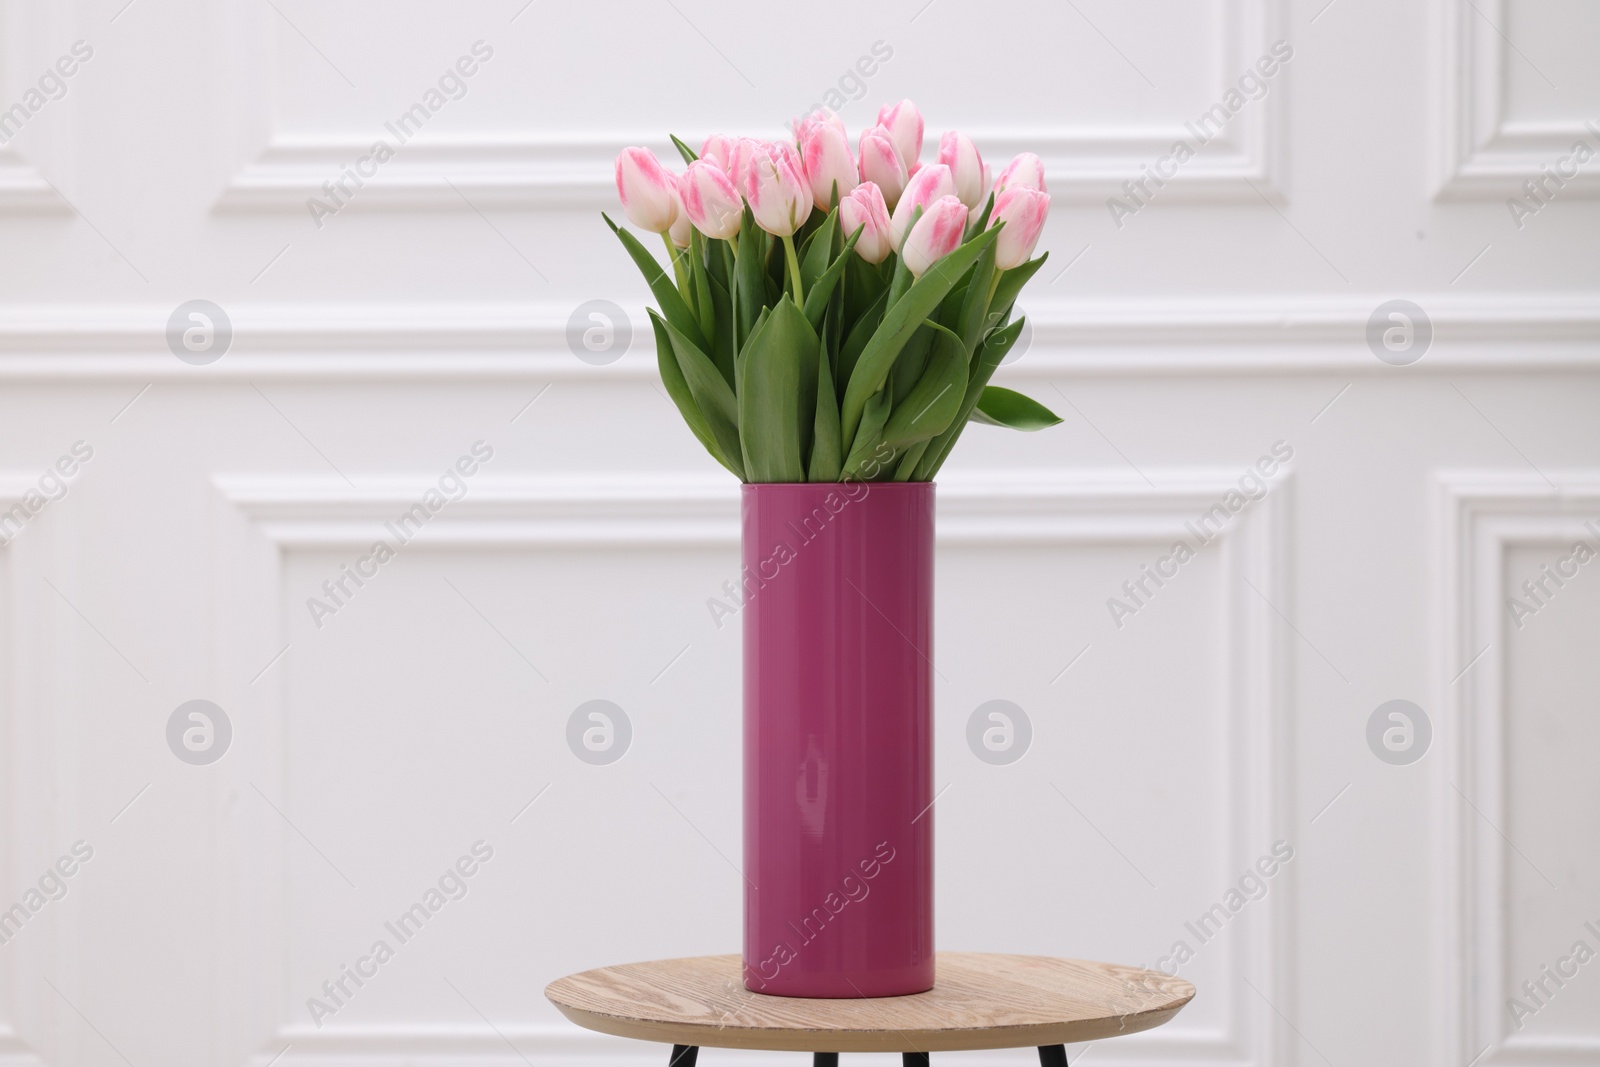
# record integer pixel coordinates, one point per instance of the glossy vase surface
(837, 600)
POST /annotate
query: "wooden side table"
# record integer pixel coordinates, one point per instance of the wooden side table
(980, 1001)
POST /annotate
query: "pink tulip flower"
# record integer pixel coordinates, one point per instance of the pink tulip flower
(881, 164)
(971, 174)
(718, 148)
(937, 233)
(773, 183)
(1024, 172)
(825, 153)
(739, 152)
(646, 189)
(865, 210)
(904, 123)
(930, 184)
(710, 201)
(1023, 210)
(822, 116)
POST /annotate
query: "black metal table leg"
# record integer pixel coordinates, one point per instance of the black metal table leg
(913, 1059)
(824, 1059)
(683, 1055)
(1052, 1056)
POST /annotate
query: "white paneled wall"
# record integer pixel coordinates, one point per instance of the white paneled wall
(1203, 306)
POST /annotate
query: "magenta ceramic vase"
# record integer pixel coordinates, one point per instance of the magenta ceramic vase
(838, 738)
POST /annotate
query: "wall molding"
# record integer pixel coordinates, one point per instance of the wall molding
(1481, 515)
(40, 944)
(24, 189)
(379, 1046)
(671, 509)
(265, 518)
(1482, 155)
(27, 40)
(575, 173)
(468, 342)
(14, 1052)
(1086, 164)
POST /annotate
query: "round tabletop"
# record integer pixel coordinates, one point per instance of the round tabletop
(979, 1001)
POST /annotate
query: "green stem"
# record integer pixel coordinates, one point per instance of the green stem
(794, 270)
(994, 285)
(675, 257)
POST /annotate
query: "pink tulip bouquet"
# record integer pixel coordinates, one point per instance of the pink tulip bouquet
(834, 314)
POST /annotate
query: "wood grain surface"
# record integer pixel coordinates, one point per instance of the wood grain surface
(979, 1001)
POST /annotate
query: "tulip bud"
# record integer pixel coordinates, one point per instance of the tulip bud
(904, 123)
(646, 189)
(957, 152)
(710, 201)
(1024, 172)
(739, 153)
(773, 183)
(881, 164)
(718, 149)
(929, 184)
(822, 116)
(937, 233)
(865, 210)
(825, 154)
(1023, 210)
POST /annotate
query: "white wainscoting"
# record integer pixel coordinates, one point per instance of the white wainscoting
(1482, 514)
(527, 341)
(1485, 155)
(261, 520)
(1087, 164)
(1230, 313)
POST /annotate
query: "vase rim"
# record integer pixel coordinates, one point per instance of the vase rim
(823, 485)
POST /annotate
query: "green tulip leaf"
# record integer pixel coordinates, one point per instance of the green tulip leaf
(802, 237)
(1007, 407)
(982, 222)
(704, 306)
(673, 307)
(900, 322)
(908, 463)
(826, 462)
(990, 353)
(975, 305)
(819, 253)
(821, 289)
(861, 287)
(739, 360)
(856, 340)
(936, 398)
(912, 361)
(720, 262)
(900, 276)
(750, 288)
(712, 396)
(688, 154)
(722, 342)
(1011, 283)
(678, 390)
(777, 396)
(870, 455)
(833, 332)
